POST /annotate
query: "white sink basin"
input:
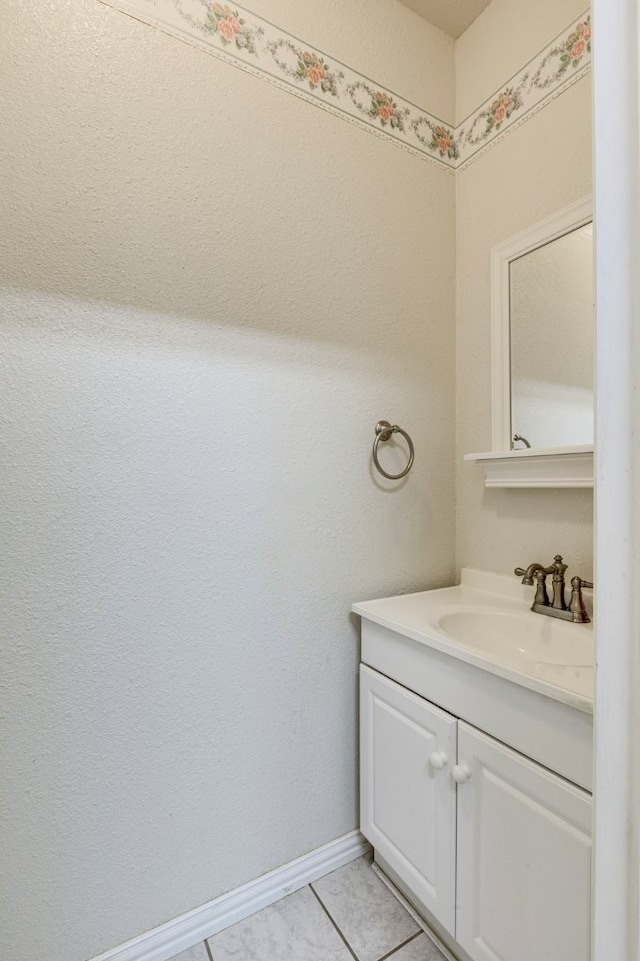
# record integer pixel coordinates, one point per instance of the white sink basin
(486, 621)
(535, 638)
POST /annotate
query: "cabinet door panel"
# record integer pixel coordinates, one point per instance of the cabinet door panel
(408, 805)
(524, 858)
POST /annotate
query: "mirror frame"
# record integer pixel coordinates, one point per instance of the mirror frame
(533, 467)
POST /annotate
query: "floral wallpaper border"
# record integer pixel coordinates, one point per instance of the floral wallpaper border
(232, 33)
(556, 68)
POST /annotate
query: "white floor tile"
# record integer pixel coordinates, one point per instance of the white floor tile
(420, 949)
(293, 929)
(199, 953)
(368, 915)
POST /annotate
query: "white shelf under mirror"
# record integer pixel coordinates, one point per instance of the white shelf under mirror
(551, 467)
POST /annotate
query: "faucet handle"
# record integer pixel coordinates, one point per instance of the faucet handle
(542, 598)
(579, 582)
(577, 608)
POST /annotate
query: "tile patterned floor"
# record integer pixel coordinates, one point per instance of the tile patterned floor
(349, 915)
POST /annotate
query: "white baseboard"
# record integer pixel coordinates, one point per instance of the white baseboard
(184, 932)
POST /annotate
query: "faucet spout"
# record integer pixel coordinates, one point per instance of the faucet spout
(527, 576)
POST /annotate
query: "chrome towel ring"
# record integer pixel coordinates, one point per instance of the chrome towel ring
(384, 430)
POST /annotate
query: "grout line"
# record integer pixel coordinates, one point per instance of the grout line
(348, 946)
(406, 904)
(208, 950)
(409, 908)
(385, 957)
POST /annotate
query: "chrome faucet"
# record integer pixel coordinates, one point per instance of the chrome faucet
(557, 607)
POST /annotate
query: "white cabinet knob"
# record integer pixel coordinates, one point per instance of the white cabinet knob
(438, 760)
(461, 773)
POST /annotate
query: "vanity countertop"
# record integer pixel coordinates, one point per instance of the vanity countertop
(496, 599)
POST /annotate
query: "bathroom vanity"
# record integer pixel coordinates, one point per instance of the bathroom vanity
(476, 726)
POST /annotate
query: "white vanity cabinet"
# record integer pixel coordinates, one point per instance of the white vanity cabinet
(492, 845)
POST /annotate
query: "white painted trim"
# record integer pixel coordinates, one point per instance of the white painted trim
(559, 467)
(163, 942)
(617, 529)
(562, 222)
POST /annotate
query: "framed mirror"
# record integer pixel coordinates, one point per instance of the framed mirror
(543, 330)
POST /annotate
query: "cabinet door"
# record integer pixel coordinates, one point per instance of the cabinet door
(524, 857)
(407, 798)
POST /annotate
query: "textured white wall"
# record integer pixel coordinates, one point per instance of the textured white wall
(540, 167)
(210, 293)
